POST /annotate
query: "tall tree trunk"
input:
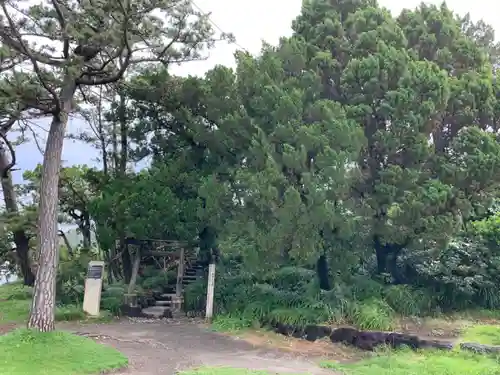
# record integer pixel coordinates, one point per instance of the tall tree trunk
(122, 172)
(85, 228)
(44, 295)
(123, 136)
(21, 240)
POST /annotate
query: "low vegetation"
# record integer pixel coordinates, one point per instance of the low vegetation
(15, 301)
(348, 175)
(420, 363)
(24, 352)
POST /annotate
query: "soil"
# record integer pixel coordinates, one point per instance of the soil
(165, 347)
(6, 328)
(433, 328)
(323, 348)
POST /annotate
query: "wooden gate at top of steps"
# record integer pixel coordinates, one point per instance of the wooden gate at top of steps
(165, 253)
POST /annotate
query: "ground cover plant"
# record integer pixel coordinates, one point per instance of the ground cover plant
(405, 362)
(25, 352)
(15, 301)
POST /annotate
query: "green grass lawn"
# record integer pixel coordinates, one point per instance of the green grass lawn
(482, 334)
(15, 303)
(421, 363)
(24, 352)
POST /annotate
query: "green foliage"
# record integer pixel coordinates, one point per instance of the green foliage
(366, 138)
(57, 353)
(112, 298)
(69, 313)
(243, 300)
(429, 362)
(153, 279)
(408, 300)
(482, 334)
(372, 314)
(227, 323)
(71, 277)
(195, 296)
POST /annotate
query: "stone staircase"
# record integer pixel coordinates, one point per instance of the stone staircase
(168, 304)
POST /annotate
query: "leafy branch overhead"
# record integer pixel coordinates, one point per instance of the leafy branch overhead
(76, 43)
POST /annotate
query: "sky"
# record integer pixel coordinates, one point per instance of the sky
(251, 22)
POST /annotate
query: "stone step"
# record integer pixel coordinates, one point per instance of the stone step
(157, 312)
(168, 296)
(164, 303)
(190, 272)
(190, 277)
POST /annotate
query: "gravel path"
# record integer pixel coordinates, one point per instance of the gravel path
(165, 347)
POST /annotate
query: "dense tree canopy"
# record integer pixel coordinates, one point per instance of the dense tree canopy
(368, 140)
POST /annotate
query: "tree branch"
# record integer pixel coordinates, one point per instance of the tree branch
(64, 27)
(8, 167)
(26, 50)
(66, 241)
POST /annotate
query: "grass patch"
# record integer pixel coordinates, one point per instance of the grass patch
(420, 363)
(25, 352)
(15, 303)
(227, 323)
(482, 334)
(222, 371)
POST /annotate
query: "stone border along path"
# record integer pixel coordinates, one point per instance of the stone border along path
(165, 347)
(369, 340)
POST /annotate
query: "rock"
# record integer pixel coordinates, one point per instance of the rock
(345, 335)
(314, 332)
(480, 348)
(398, 340)
(369, 340)
(132, 311)
(157, 312)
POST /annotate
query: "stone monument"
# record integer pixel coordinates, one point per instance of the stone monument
(93, 288)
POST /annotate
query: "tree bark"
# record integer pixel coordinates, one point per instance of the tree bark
(66, 242)
(135, 272)
(44, 295)
(122, 172)
(21, 240)
(85, 228)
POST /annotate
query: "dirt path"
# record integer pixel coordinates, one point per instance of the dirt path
(163, 348)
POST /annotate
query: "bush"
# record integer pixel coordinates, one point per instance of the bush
(112, 298)
(195, 295)
(466, 275)
(155, 279)
(374, 314)
(69, 313)
(228, 323)
(19, 292)
(408, 301)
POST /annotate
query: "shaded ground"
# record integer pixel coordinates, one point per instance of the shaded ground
(163, 347)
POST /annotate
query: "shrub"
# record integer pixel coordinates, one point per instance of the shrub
(195, 295)
(112, 298)
(19, 292)
(228, 323)
(408, 301)
(154, 279)
(69, 313)
(293, 279)
(373, 314)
